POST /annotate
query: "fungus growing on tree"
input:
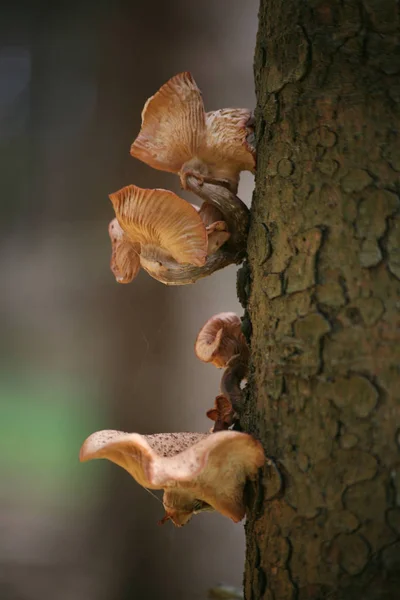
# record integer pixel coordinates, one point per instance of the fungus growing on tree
(175, 242)
(208, 151)
(197, 471)
(178, 136)
(222, 343)
(220, 339)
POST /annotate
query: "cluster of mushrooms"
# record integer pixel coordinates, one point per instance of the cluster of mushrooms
(178, 243)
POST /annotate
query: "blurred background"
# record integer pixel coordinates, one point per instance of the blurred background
(79, 352)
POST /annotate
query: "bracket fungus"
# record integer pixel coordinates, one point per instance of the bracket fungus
(222, 343)
(197, 471)
(175, 242)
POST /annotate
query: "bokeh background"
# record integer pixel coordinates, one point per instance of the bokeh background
(78, 351)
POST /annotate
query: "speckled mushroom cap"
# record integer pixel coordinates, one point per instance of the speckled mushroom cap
(177, 135)
(197, 471)
(161, 220)
(220, 339)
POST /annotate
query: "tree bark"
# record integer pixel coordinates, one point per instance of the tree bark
(323, 302)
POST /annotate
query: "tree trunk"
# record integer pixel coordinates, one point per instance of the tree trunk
(324, 297)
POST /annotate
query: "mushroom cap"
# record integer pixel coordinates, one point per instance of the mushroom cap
(173, 125)
(176, 131)
(161, 218)
(208, 468)
(125, 261)
(220, 339)
(226, 141)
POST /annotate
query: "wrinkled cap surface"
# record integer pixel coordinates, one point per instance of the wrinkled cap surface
(161, 219)
(177, 135)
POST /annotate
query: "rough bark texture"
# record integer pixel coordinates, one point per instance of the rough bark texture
(324, 297)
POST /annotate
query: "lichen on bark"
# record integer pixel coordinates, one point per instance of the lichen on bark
(323, 302)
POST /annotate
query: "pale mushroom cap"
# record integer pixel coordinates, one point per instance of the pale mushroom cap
(125, 261)
(210, 468)
(220, 339)
(173, 125)
(163, 219)
(226, 144)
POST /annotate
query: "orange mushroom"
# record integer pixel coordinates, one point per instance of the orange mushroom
(197, 471)
(222, 343)
(220, 339)
(175, 242)
(207, 150)
(178, 136)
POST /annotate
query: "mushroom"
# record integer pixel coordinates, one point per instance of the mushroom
(222, 343)
(207, 150)
(198, 472)
(175, 242)
(178, 136)
(220, 339)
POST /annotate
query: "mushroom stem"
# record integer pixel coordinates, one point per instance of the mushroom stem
(235, 212)
(186, 274)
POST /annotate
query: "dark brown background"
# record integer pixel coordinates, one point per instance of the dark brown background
(78, 352)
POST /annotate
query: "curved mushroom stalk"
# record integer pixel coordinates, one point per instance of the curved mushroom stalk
(167, 236)
(198, 472)
(187, 274)
(234, 212)
(178, 136)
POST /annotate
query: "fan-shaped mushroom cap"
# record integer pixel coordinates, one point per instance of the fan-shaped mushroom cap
(178, 136)
(173, 125)
(197, 471)
(161, 219)
(220, 339)
(125, 261)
